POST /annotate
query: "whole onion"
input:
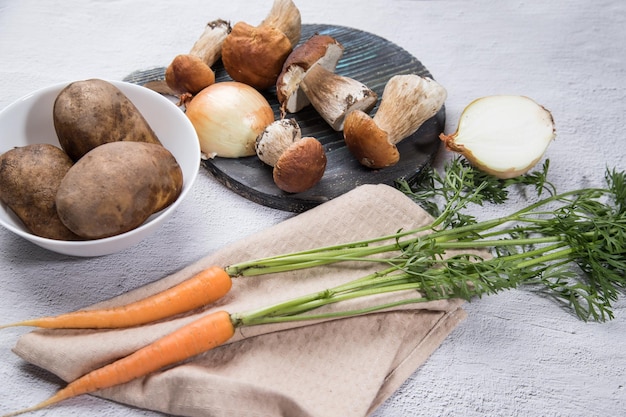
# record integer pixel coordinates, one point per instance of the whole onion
(228, 116)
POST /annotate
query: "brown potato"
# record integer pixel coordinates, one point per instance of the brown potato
(89, 113)
(29, 178)
(116, 186)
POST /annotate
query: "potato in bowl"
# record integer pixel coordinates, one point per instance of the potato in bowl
(29, 121)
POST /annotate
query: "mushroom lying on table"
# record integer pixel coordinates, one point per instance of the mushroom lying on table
(407, 102)
(318, 49)
(298, 162)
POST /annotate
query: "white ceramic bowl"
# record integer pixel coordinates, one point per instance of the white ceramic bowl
(29, 121)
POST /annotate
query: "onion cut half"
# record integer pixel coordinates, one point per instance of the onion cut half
(503, 135)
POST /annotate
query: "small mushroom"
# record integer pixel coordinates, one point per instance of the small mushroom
(407, 102)
(188, 74)
(255, 55)
(318, 49)
(192, 72)
(301, 166)
(277, 137)
(298, 162)
(335, 96)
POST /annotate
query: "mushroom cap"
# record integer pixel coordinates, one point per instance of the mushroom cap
(188, 74)
(255, 55)
(322, 49)
(367, 142)
(301, 166)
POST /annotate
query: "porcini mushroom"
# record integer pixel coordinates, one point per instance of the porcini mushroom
(407, 102)
(277, 137)
(301, 166)
(335, 96)
(190, 73)
(255, 55)
(321, 49)
(298, 163)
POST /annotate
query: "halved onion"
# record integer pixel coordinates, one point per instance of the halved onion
(228, 116)
(503, 135)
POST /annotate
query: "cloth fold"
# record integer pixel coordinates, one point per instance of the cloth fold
(339, 367)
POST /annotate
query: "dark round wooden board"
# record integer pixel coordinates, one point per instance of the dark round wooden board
(367, 58)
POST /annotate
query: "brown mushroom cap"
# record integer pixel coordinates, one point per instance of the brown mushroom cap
(301, 166)
(367, 142)
(255, 55)
(188, 74)
(322, 49)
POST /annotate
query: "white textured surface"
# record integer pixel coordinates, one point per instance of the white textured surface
(516, 354)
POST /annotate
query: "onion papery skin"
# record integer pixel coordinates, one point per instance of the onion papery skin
(503, 135)
(228, 116)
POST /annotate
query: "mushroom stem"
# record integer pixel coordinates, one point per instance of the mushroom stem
(285, 16)
(407, 102)
(276, 138)
(322, 49)
(335, 96)
(208, 47)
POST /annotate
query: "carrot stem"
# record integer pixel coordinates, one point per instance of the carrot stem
(583, 230)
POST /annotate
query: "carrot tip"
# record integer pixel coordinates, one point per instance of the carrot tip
(22, 411)
(59, 396)
(16, 324)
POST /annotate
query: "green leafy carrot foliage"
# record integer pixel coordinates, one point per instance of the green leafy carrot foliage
(570, 246)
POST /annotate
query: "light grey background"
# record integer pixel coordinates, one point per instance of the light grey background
(516, 354)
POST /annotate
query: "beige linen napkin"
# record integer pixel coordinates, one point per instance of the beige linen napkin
(342, 367)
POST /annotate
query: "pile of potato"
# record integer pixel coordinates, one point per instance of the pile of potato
(108, 176)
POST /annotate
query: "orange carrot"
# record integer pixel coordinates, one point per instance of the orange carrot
(201, 289)
(192, 339)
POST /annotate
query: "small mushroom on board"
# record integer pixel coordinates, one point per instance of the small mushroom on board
(335, 96)
(318, 49)
(190, 73)
(255, 55)
(298, 162)
(407, 102)
(277, 137)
